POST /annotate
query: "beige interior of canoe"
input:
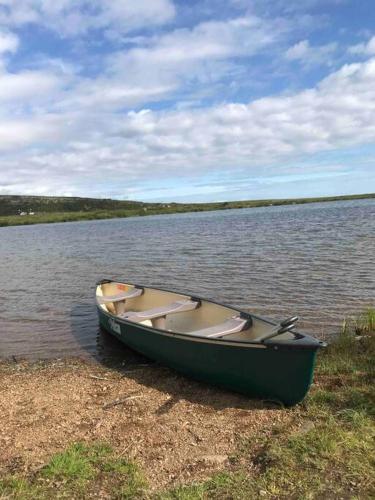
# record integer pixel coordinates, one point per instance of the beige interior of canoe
(206, 316)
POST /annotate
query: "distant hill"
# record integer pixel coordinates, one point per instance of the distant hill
(12, 205)
(61, 208)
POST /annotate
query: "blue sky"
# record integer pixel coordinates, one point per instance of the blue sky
(187, 101)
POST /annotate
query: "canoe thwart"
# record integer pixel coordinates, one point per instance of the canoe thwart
(134, 292)
(158, 312)
(232, 325)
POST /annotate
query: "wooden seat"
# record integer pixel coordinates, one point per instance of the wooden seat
(134, 292)
(158, 314)
(231, 325)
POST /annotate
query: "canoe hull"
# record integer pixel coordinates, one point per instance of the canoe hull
(268, 372)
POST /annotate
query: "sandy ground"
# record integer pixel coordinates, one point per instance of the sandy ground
(176, 429)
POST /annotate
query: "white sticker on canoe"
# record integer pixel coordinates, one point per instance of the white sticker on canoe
(114, 326)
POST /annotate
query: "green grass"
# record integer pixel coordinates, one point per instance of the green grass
(19, 488)
(55, 209)
(78, 472)
(326, 448)
(46, 218)
(354, 349)
(332, 460)
(77, 463)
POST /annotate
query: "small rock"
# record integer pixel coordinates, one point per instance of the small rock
(215, 459)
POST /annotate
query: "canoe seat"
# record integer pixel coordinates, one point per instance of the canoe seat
(232, 325)
(134, 292)
(157, 314)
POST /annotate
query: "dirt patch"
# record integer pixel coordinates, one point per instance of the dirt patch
(176, 429)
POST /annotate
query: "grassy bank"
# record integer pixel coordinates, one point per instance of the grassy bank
(226, 446)
(50, 212)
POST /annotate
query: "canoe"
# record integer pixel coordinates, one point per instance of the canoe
(209, 341)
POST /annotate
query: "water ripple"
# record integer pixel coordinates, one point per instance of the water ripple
(316, 261)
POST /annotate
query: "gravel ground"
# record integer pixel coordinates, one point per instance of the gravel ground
(176, 429)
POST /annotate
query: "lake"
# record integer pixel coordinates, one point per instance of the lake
(316, 261)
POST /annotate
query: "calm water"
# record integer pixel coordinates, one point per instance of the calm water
(316, 261)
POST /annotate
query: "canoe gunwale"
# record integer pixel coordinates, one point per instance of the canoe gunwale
(301, 341)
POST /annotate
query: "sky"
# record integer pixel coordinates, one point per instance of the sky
(171, 100)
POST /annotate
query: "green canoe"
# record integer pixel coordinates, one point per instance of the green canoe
(209, 341)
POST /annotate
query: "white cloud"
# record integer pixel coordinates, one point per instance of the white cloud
(26, 85)
(21, 133)
(91, 148)
(182, 61)
(8, 42)
(339, 111)
(203, 55)
(366, 49)
(212, 39)
(71, 126)
(298, 51)
(309, 55)
(75, 17)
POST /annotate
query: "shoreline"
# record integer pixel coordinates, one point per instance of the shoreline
(89, 429)
(74, 216)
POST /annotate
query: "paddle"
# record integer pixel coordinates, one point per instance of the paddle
(284, 326)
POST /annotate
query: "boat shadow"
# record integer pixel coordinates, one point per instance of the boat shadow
(106, 350)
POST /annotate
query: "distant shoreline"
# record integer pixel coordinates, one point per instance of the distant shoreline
(145, 209)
